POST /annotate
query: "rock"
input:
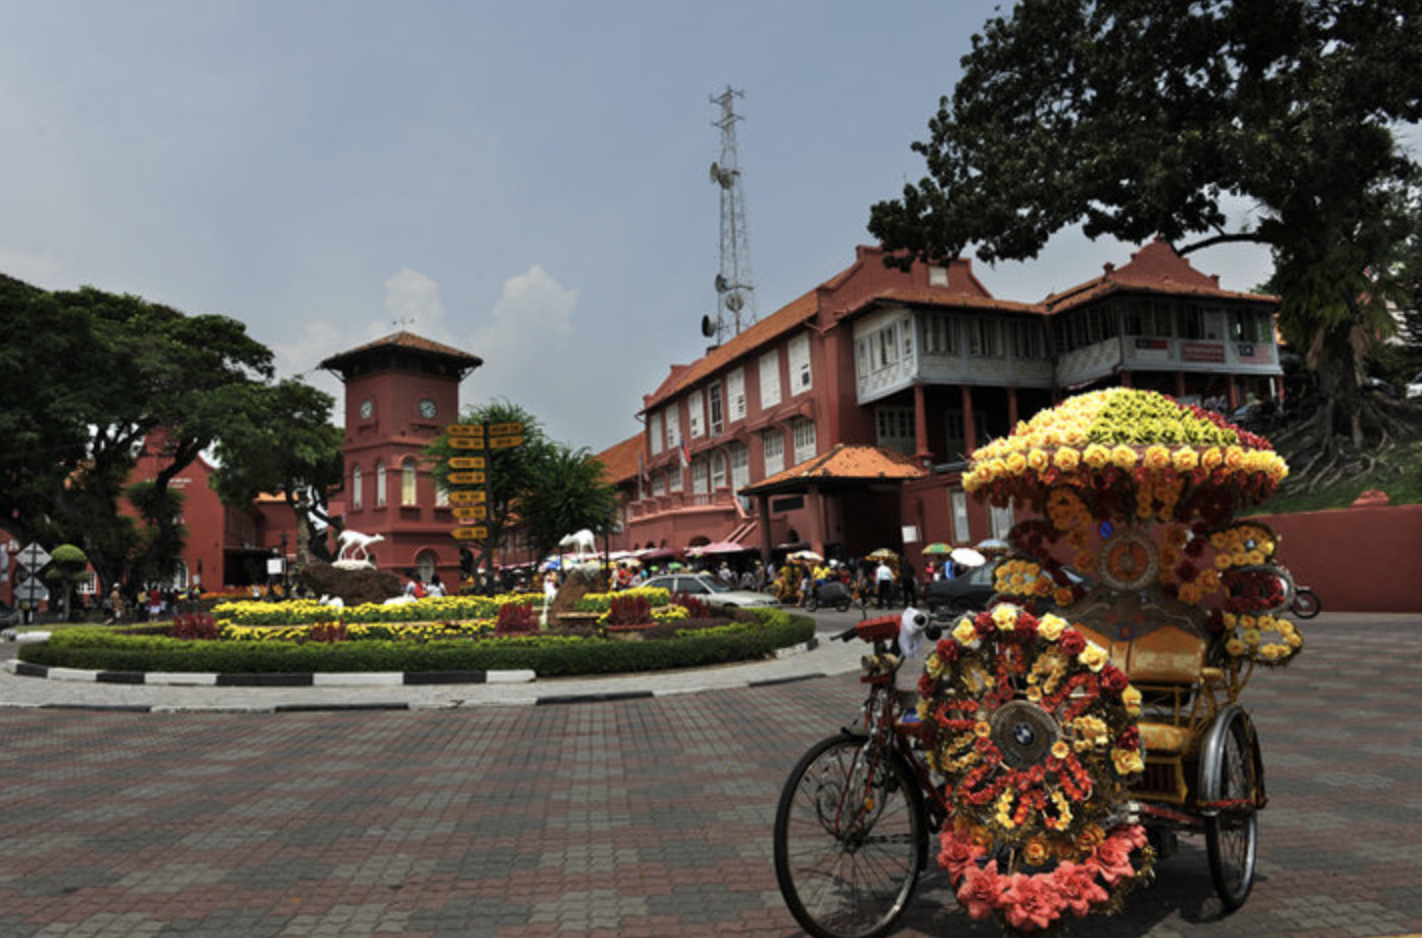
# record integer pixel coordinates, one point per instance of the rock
(353, 587)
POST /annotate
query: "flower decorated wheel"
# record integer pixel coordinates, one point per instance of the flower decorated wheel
(1034, 733)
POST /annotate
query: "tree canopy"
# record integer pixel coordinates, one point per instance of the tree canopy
(544, 488)
(1138, 118)
(91, 377)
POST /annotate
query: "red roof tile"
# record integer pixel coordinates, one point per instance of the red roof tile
(620, 459)
(845, 463)
(1155, 267)
(404, 340)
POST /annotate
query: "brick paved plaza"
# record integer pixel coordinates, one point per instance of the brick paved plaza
(647, 817)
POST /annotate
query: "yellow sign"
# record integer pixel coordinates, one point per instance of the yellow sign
(476, 532)
(466, 478)
(468, 497)
(466, 462)
(504, 442)
(471, 512)
(466, 442)
(505, 429)
(465, 429)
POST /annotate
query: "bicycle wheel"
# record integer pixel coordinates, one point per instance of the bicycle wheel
(1229, 777)
(850, 839)
(1306, 604)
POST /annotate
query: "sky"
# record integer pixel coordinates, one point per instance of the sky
(526, 180)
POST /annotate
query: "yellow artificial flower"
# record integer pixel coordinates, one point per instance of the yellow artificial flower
(1036, 852)
(1185, 459)
(1096, 456)
(1004, 616)
(1127, 761)
(964, 633)
(1051, 626)
(1093, 656)
(1131, 700)
(1123, 457)
(1066, 459)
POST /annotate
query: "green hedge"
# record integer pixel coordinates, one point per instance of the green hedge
(104, 649)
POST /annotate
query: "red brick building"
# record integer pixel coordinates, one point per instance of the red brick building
(841, 421)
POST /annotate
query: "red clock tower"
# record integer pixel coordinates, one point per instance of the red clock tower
(400, 393)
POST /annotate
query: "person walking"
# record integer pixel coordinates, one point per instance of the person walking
(884, 583)
(908, 584)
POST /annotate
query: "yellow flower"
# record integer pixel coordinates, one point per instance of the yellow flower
(1131, 700)
(1036, 852)
(1156, 457)
(1211, 458)
(1016, 463)
(1005, 617)
(982, 729)
(1093, 656)
(1235, 647)
(1124, 457)
(1096, 456)
(1066, 459)
(1037, 460)
(1127, 761)
(1051, 627)
(1251, 638)
(1063, 596)
(1060, 749)
(1090, 838)
(1185, 459)
(965, 634)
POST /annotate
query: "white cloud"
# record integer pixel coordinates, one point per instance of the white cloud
(412, 299)
(38, 270)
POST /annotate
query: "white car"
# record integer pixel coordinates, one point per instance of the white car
(1414, 387)
(714, 591)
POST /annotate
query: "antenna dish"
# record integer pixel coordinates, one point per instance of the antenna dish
(708, 326)
(721, 285)
(734, 302)
(715, 172)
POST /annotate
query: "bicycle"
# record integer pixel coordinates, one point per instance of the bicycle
(853, 821)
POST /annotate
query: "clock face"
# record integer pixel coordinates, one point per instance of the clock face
(428, 409)
(366, 409)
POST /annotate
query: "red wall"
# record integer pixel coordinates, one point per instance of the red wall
(1355, 559)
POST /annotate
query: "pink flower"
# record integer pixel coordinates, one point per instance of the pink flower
(958, 854)
(1113, 857)
(1030, 902)
(981, 891)
(1077, 887)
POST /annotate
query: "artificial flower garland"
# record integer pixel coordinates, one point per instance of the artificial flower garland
(1033, 730)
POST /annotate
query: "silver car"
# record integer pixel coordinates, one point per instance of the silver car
(713, 590)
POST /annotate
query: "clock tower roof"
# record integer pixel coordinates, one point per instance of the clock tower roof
(403, 351)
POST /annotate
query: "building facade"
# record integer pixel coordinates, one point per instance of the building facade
(919, 367)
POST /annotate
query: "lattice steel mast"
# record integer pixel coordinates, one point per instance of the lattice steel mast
(735, 284)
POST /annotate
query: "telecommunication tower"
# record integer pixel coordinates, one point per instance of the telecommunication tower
(735, 286)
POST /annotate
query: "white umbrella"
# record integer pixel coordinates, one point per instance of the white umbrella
(994, 543)
(967, 557)
(805, 555)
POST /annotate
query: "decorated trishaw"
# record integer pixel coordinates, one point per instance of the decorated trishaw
(1066, 736)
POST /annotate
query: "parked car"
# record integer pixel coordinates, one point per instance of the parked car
(714, 591)
(970, 590)
(1414, 387)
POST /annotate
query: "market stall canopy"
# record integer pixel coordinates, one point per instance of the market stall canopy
(719, 547)
(844, 464)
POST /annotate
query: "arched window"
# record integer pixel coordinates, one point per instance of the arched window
(357, 498)
(409, 477)
(380, 484)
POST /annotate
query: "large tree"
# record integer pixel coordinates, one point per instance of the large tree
(540, 486)
(1138, 118)
(89, 378)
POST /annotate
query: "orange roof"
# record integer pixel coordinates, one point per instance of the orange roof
(843, 463)
(404, 340)
(759, 333)
(620, 459)
(1157, 268)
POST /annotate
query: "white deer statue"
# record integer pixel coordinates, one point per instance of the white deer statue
(353, 542)
(581, 542)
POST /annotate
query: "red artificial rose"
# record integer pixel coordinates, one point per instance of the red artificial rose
(1030, 903)
(927, 685)
(1113, 679)
(947, 650)
(1071, 642)
(1130, 738)
(980, 892)
(1026, 625)
(1113, 857)
(958, 854)
(1077, 887)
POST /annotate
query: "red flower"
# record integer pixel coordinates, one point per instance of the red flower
(1113, 679)
(947, 650)
(1077, 887)
(1071, 642)
(1130, 738)
(927, 685)
(958, 854)
(1030, 903)
(981, 890)
(1113, 857)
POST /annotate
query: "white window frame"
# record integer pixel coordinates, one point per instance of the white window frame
(671, 417)
(674, 477)
(409, 483)
(719, 476)
(659, 482)
(736, 395)
(717, 422)
(696, 414)
(654, 432)
(739, 458)
(380, 484)
(770, 379)
(805, 444)
(357, 489)
(773, 450)
(801, 378)
(699, 476)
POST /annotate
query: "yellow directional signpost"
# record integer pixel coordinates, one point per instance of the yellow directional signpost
(469, 484)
